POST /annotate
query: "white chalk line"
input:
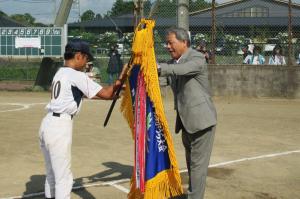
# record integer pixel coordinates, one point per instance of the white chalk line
(110, 183)
(125, 190)
(23, 106)
(248, 159)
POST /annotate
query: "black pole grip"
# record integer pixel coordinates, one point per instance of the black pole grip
(111, 108)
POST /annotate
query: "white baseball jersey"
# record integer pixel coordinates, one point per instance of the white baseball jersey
(68, 88)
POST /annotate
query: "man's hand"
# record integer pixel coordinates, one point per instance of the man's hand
(124, 72)
(116, 85)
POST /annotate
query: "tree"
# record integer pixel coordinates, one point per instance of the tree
(38, 24)
(90, 37)
(121, 7)
(196, 5)
(3, 13)
(25, 19)
(147, 8)
(167, 8)
(74, 33)
(98, 16)
(88, 16)
(108, 39)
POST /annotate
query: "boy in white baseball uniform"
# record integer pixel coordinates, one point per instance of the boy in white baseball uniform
(69, 86)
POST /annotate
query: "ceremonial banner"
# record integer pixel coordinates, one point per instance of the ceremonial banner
(156, 174)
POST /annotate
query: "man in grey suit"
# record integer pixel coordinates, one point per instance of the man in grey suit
(196, 115)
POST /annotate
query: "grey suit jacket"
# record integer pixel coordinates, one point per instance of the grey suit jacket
(189, 81)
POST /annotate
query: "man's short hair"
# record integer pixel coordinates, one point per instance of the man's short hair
(180, 33)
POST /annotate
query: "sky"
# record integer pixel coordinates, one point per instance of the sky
(44, 11)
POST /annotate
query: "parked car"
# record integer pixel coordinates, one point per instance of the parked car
(269, 46)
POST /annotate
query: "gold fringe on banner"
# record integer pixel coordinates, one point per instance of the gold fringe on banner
(167, 183)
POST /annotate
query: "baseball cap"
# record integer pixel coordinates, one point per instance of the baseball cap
(78, 45)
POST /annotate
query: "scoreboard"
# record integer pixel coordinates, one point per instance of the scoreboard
(32, 41)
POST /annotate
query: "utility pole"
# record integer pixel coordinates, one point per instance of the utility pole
(290, 32)
(183, 14)
(213, 31)
(76, 4)
(138, 11)
(63, 13)
(54, 9)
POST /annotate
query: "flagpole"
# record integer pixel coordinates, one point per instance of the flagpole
(153, 8)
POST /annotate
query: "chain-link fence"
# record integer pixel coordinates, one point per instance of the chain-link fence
(241, 28)
(230, 32)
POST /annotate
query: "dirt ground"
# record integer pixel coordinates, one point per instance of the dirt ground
(256, 152)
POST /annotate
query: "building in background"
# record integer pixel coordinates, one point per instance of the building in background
(237, 17)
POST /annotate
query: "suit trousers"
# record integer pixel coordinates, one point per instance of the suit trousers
(198, 147)
(55, 141)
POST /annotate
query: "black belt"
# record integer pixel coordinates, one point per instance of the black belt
(58, 115)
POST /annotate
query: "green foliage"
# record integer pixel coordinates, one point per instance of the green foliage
(196, 5)
(147, 7)
(157, 37)
(39, 24)
(166, 8)
(128, 37)
(3, 13)
(234, 40)
(88, 16)
(283, 37)
(98, 16)
(91, 37)
(18, 73)
(74, 32)
(87, 36)
(26, 18)
(263, 33)
(126, 40)
(121, 7)
(201, 37)
(107, 39)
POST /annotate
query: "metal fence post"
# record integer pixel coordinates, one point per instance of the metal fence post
(183, 14)
(213, 31)
(290, 33)
(138, 11)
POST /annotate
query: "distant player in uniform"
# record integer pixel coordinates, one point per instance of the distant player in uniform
(69, 86)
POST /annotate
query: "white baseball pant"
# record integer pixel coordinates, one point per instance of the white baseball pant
(55, 141)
